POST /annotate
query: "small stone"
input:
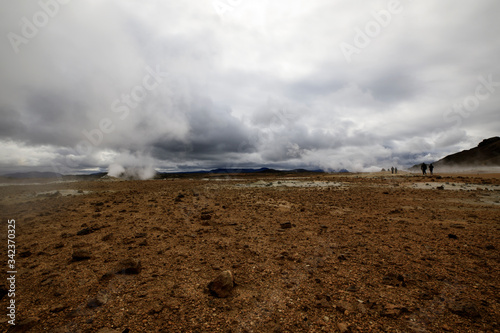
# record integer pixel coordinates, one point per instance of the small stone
(286, 225)
(107, 237)
(343, 327)
(452, 236)
(222, 285)
(57, 308)
(464, 309)
(344, 306)
(394, 279)
(84, 231)
(352, 288)
(205, 217)
(97, 301)
(25, 254)
(80, 254)
(391, 310)
(109, 330)
(128, 266)
(446, 327)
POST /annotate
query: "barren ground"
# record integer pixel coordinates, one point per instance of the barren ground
(361, 253)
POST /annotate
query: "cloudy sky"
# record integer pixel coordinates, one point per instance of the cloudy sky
(182, 85)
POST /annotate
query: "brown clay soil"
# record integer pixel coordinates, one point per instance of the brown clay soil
(309, 253)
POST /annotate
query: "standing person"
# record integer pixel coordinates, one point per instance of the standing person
(431, 168)
(424, 168)
(392, 169)
(396, 170)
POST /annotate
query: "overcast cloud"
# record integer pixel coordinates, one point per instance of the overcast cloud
(182, 85)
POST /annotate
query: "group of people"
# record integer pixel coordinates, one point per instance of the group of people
(394, 170)
(423, 167)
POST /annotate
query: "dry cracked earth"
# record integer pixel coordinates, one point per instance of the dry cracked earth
(308, 253)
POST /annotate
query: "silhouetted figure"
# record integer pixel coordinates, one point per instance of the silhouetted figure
(392, 169)
(431, 168)
(424, 168)
(395, 170)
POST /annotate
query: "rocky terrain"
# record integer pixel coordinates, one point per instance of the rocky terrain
(256, 253)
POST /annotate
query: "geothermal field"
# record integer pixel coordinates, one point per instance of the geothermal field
(296, 252)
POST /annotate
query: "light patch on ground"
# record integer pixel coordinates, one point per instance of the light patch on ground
(454, 186)
(62, 193)
(291, 183)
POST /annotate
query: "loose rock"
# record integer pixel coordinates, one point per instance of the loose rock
(205, 217)
(80, 254)
(394, 279)
(58, 308)
(128, 266)
(97, 301)
(286, 225)
(223, 285)
(25, 254)
(109, 330)
(343, 327)
(464, 309)
(84, 231)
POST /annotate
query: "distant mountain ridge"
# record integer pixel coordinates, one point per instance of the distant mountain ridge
(159, 175)
(243, 170)
(33, 174)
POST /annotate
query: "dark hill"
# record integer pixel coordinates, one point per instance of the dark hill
(487, 153)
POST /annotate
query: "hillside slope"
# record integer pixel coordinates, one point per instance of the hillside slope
(487, 153)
